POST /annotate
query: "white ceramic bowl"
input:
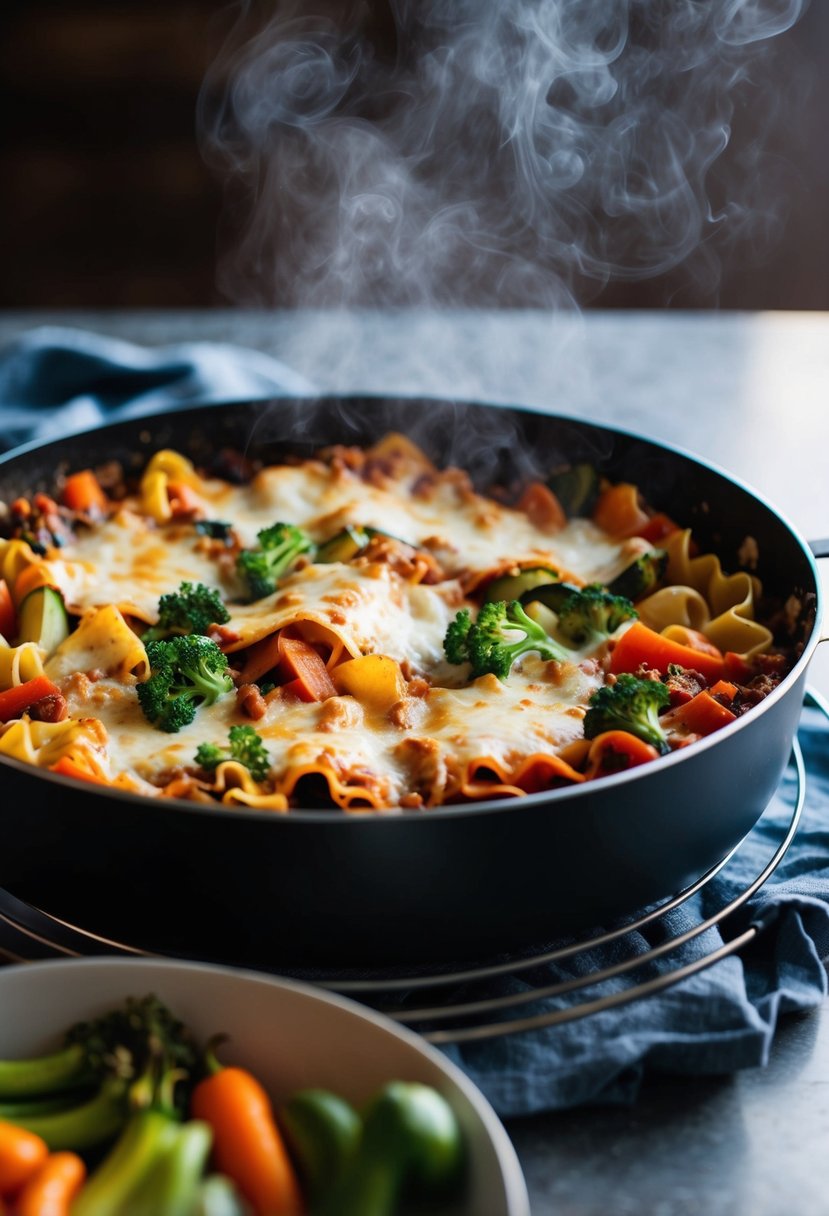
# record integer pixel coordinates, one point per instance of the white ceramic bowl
(290, 1035)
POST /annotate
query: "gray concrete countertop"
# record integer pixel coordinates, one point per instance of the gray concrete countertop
(749, 392)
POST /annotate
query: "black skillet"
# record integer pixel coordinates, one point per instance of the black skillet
(319, 887)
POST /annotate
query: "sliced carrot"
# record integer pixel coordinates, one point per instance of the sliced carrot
(639, 645)
(51, 1190)
(82, 492)
(542, 508)
(618, 512)
(15, 701)
(738, 668)
(724, 688)
(68, 768)
(183, 499)
(300, 661)
(617, 750)
(260, 658)
(8, 620)
(294, 688)
(657, 528)
(702, 715)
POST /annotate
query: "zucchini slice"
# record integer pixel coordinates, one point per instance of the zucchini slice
(551, 595)
(343, 545)
(576, 488)
(641, 576)
(515, 586)
(42, 619)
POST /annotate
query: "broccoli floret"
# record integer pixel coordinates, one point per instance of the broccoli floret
(632, 705)
(490, 645)
(210, 756)
(186, 672)
(456, 642)
(191, 609)
(589, 616)
(280, 546)
(246, 746)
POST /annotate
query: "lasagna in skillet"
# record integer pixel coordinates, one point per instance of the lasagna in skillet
(361, 630)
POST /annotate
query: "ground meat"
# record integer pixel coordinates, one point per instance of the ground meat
(412, 801)
(684, 685)
(250, 702)
(77, 685)
(407, 713)
(49, 709)
(340, 713)
(754, 692)
(412, 565)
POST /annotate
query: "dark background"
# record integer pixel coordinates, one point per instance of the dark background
(106, 201)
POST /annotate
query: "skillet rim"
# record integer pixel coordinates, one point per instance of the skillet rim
(455, 810)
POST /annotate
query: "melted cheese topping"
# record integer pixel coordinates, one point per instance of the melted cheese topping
(446, 738)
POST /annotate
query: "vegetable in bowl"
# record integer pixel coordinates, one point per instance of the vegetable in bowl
(272, 1130)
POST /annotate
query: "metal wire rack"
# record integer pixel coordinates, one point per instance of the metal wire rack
(480, 1002)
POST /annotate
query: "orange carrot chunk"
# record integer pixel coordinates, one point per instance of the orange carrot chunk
(183, 499)
(29, 579)
(542, 508)
(639, 645)
(657, 528)
(8, 622)
(702, 715)
(68, 768)
(618, 512)
(21, 1154)
(50, 1191)
(247, 1145)
(301, 662)
(82, 492)
(15, 701)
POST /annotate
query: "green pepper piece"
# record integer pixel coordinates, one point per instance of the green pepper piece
(410, 1135)
(323, 1132)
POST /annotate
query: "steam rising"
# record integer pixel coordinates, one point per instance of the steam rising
(512, 152)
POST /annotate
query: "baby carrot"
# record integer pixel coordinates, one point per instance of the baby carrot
(50, 1191)
(247, 1145)
(21, 1153)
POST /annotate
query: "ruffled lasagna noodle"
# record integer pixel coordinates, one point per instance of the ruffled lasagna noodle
(398, 725)
(703, 598)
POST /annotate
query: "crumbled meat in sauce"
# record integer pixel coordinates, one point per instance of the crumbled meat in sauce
(49, 709)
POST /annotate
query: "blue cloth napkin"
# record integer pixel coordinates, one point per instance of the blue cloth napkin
(719, 1020)
(56, 380)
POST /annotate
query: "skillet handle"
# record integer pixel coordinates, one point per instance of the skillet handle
(820, 548)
